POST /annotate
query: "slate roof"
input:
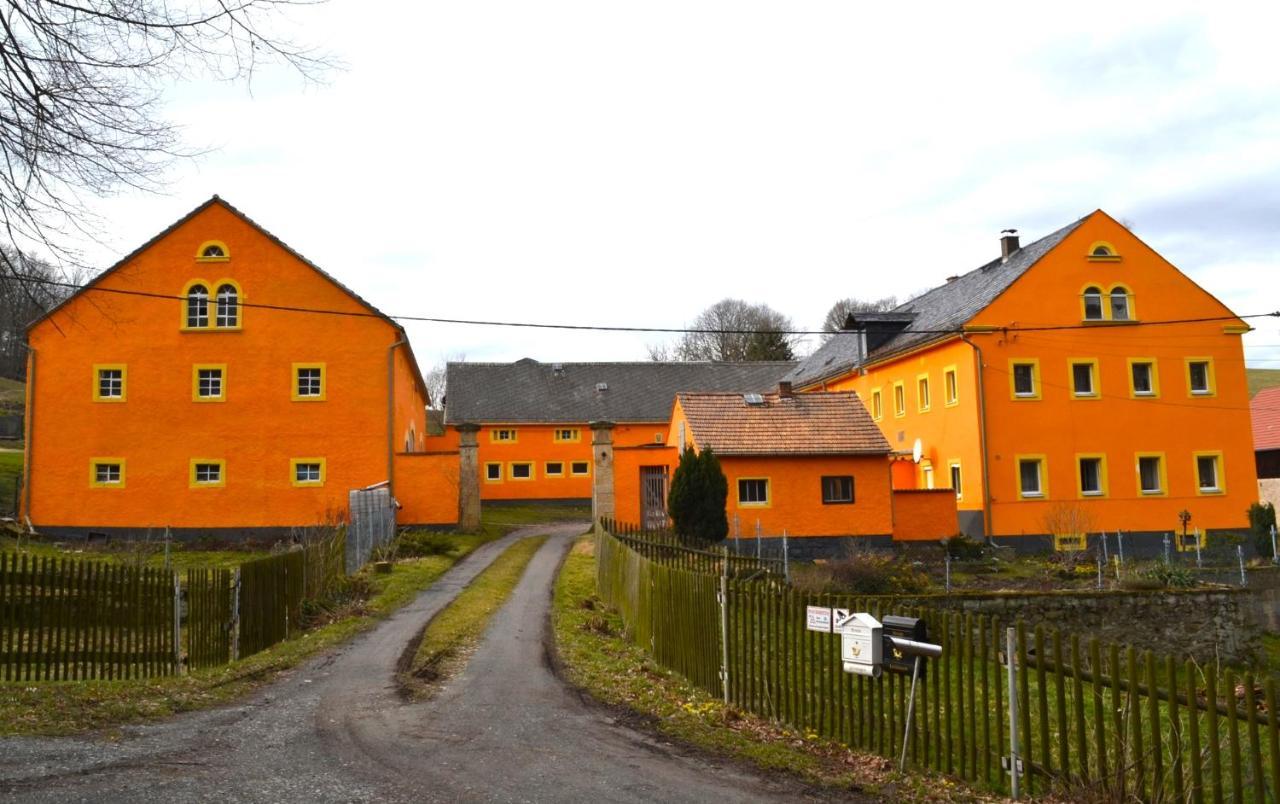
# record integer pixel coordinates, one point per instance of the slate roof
(532, 392)
(947, 307)
(804, 424)
(1265, 411)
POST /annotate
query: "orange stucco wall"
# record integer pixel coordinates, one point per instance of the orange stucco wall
(159, 429)
(427, 488)
(536, 444)
(795, 486)
(1059, 426)
(924, 515)
(627, 462)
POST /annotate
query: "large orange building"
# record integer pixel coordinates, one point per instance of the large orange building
(534, 418)
(1079, 384)
(193, 386)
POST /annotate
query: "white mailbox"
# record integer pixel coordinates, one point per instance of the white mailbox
(861, 644)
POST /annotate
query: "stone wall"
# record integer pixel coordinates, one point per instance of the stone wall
(1203, 624)
(1269, 490)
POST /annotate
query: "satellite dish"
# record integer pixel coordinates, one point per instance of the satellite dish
(917, 451)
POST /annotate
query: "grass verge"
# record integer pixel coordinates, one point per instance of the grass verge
(595, 657)
(75, 706)
(452, 634)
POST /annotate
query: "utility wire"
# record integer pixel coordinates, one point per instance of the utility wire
(600, 327)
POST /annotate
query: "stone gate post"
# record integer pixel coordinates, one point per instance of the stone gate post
(468, 478)
(602, 475)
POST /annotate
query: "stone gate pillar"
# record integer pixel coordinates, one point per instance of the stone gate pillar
(468, 478)
(602, 475)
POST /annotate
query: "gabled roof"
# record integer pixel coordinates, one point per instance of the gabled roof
(216, 200)
(565, 393)
(1265, 411)
(940, 311)
(802, 424)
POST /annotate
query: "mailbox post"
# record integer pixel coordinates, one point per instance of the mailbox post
(862, 645)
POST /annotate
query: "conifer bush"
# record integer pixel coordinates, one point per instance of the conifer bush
(697, 497)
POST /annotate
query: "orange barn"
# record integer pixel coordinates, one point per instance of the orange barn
(535, 438)
(188, 387)
(1075, 385)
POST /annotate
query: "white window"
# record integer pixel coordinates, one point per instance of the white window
(228, 307)
(306, 473)
(1198, 377)
(209, 383)
(106, 473)
(310, 382)
(753, 491)
(110, 383)
(197, 306)
(208, 473)
(1091, 476)
(1082, 379)
(1150, 474)
(1029, 477)
(1207, 472)
(1119, 305)
(1143, 379)
(1024, 379)
(1092, 304)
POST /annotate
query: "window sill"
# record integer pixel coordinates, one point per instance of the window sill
(837, 502)
(1027, 495)
(1093, 495)
(1094, 397)
(210, 330)
(1210, 492)
(1026, 397)
(1108, 322)
(1157, 493)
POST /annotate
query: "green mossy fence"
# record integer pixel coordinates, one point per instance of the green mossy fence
(69, 619)
(1096, 721)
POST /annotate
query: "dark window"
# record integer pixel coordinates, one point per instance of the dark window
(493, 471)
(1207, 471)
(309, 382)
(753, 491)
(1082, 379)
(198, 306)
(209, 383)
(521, 471)
(1092, 304)
(106, 473)
(837, 489)
(957, 480)
(1119, 305)
(555, 468)
(213, 252)
(208, 473)
(1090, 475)
(110, 383)
(1102, 251)
(579, 468)
(307, 472)
(228, 306)
(1029, 477)
(1024, 379)
(1149, 474)
(1142, 380)
(1198, 374)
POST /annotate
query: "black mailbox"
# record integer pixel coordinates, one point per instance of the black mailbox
(903, 628)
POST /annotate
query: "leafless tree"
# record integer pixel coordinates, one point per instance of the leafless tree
(81, 86)
(25, 295)
(437, 376)
(839, 312)
(732, 329)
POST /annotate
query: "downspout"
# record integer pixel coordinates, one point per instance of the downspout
(30, 423)
(391, 415)
(982, 440)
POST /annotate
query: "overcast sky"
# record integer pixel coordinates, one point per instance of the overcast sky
(632, 163)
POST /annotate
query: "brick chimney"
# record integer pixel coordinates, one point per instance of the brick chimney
(1008, 243)
(784, 389)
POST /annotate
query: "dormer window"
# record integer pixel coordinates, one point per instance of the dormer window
(212, 251)
(228, 307)
(1102, 251)
(1121, 309)
(197, 306)
(1092, 304)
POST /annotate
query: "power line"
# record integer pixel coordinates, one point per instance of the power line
(600, 327)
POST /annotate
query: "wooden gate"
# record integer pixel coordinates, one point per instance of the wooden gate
(654, 481)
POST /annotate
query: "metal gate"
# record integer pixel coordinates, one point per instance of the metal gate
(373, 524)
(653, 496)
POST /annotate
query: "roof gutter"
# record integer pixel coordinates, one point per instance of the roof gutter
(391, 413)
(982, 437)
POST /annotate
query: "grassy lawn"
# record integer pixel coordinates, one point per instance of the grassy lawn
(498, 521)
(597, 659)
(452, 634)
(135, 553)
(75, 706)
(1262, 378)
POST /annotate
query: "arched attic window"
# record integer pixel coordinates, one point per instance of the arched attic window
(213, 251)
(1102, 251)
(1093, 303)
(228, 306)
(197, 306)
(1121, 304)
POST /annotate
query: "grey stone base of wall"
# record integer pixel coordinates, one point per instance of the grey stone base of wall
(810, 548)
(79, 534)
(551, 501)
(1205, 625)
(1137, 544)
(972, 524)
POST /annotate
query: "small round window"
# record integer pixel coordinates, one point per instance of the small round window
(213, 251)
(1103, 251)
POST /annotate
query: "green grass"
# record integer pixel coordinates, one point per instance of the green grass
(453, 633)
(496, 521)
(13, 395)
(10, 466)
(597, 658)
(181, 556)
(77, 706)
(1262, 378)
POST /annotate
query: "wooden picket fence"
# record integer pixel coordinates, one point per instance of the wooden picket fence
(64, 619)
(667, 548)
(1096, 720)
(210, 617)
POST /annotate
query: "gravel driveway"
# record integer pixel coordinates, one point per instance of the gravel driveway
(336, 729)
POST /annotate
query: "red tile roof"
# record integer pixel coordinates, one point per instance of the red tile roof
(1265, 409)
(804, 424)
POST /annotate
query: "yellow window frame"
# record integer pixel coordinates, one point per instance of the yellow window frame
(1211, 376)
(226, 252)
(1104, 481)
(1218, 472)
(557, 435)
(324, 383)
(94, 463)
(877, 403)
(1131, 302)
(899, 399)
(950, 387)
(768, 492)
(1155, 378)
(221, 463)
(1164, 474)
(1095, 377)
(124, 382)
(1043, 493)
(546, 469)
(573, 473)
(195, 382)
(293, 472)
(924, 394)
(1102, 303)
(1111, 256)
(1034, 363)
(493, 435)
(511, 473)
(500, 476)
(186, 289)
(213, 306)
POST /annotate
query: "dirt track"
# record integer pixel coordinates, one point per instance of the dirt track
(336, 729)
